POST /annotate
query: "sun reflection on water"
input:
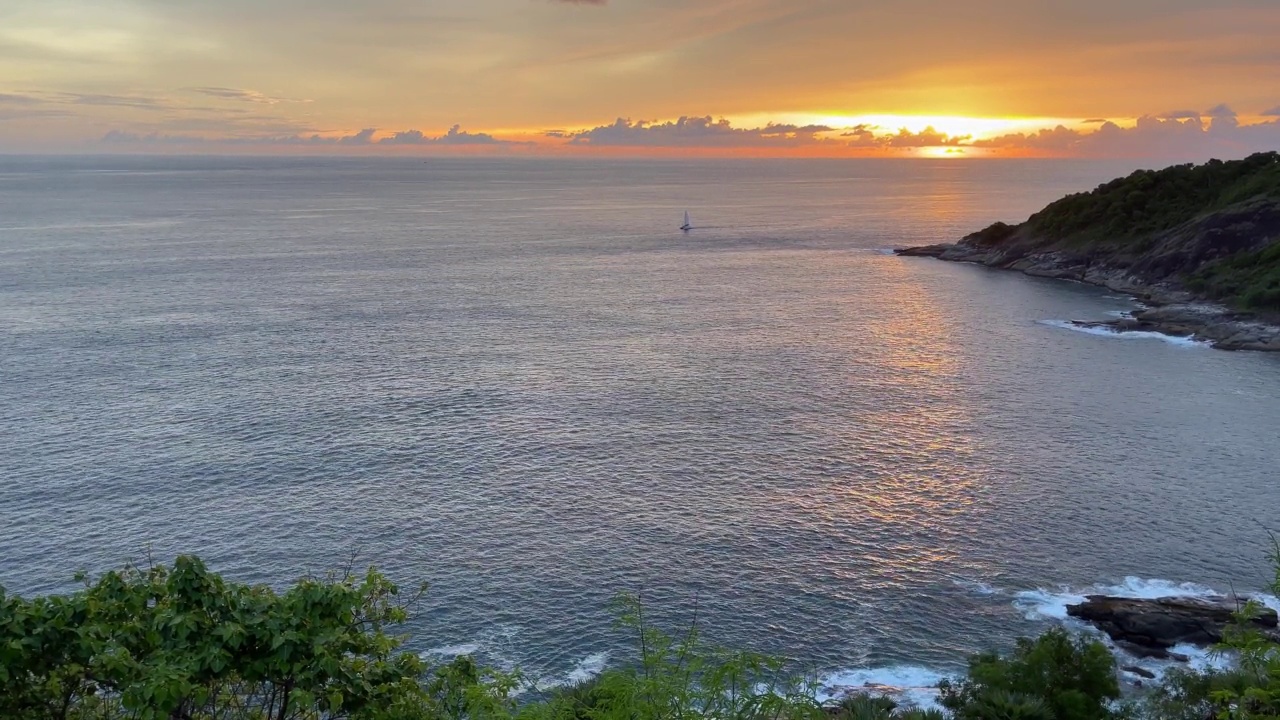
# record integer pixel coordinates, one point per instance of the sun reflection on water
(913, 488)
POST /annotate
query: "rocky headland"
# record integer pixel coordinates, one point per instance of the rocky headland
(1199, 246)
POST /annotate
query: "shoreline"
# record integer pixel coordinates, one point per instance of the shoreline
(1169, 311)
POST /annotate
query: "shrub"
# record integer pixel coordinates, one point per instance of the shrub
(678, 677)
(181, 643)
(1251, 691)
(1055, 677)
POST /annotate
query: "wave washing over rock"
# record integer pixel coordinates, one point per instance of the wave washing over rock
(916, 685)
(1108, 330)
(1053, 603)
(909, 685)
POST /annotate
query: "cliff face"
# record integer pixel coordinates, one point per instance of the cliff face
(1211, 262)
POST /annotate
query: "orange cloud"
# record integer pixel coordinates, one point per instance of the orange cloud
(1173, 135)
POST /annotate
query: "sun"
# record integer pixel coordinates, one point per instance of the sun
(943, 151)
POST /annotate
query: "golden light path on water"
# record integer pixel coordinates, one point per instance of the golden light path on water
(911, 461)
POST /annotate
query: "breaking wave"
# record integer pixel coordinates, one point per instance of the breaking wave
(1051, 604)
(910, 685)
(1126, 334)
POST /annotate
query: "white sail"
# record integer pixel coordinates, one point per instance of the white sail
(686, 224)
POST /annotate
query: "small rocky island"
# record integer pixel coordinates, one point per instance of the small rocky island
(1151, 628)
(1198, 245)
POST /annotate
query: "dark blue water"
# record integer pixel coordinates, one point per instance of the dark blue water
(517, 381)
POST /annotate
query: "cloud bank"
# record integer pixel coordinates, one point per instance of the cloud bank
(323, 65)
(455, 136)
(1217, 132)
(1179, 134)
(695, 132)
(1176, 134)
(367, 137)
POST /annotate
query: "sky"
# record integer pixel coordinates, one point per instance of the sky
(1105, 78)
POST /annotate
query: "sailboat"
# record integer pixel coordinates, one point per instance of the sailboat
(687, 226)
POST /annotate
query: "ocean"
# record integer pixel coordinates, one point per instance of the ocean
(518, 381)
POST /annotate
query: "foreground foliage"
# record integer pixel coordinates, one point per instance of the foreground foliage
(1055, 677)
(181, 643)
(678, 677)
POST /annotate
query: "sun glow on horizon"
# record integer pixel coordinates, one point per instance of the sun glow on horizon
(943, 151)
(954, 126)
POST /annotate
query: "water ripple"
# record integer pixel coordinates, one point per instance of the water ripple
(829, 448)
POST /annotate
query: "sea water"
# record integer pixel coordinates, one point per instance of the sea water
(519, 381)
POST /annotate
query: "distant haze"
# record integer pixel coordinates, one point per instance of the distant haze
(1137, 78)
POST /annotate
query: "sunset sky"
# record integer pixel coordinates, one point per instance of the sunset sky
(1176, 78)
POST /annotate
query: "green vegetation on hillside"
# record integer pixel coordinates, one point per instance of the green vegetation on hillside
(1213, 229)
(1249, 280)
(1151, 201)
(181, 643)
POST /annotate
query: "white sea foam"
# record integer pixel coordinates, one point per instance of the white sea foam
(494, 646)
(448, 652)
(885, 251)
(588, 668)
(1135, 587)
(1198, 659)
(908, 684)
(1127, 334)
(977, 587)
(1043, 603)
(584, 670)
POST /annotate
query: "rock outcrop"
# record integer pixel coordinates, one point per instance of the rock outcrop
(1150, 627)
(1157, 271)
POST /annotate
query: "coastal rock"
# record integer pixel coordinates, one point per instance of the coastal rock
(1165, 622)
(1214, 324)
(1151, 653)
(1174, 312)
(1140, 672)
(1248, 336)
(925, 251)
